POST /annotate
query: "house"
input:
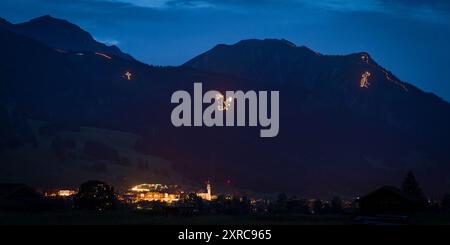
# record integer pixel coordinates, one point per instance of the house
(388, 200)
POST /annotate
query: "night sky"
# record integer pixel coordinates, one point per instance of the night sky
(409, 37)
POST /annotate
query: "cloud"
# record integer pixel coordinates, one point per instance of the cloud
(108, 41)
(165, 4)
(428, 10)
(432, 10)
(144, 3)
(346, 6)
(190, 4)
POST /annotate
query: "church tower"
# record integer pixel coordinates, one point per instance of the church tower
(208, 189)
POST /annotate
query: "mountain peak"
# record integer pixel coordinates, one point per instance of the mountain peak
(44, 17)
(62, 34)
(252, 55)
(50, 20)
(268, 45)
(267, 41)
(55, 26)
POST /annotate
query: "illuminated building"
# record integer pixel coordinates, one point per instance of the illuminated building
(60, 193)
(149, 187)
(364, 83)
(157, 196)
(208, 194)
(66, 193)
(154, 192)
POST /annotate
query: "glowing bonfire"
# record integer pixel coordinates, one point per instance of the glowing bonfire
(364, 83)
(223, 105)
(128, 75)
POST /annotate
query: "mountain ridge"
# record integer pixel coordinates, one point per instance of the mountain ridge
(63, 35)
(335, 136)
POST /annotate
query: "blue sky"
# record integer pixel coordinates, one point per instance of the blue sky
(409, 37)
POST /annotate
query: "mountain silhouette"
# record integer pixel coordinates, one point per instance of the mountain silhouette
(332, 80)
(64, 36)
(384, 126)
(339, 133)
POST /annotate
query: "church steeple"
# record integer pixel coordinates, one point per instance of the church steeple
(208, 188)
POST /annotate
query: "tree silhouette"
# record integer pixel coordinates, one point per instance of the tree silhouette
(297, 205)
(336, 204)
(95, 195)
(282, 202)
(446, 202)
(317, 206)
(411, 187)
(195, 201)
(282, 199)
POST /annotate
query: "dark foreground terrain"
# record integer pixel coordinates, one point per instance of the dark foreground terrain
(135, 218)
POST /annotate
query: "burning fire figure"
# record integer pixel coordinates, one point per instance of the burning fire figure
(128, 75)
(365, 58)
(223, 105)
(364, 83)
(103, 55)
